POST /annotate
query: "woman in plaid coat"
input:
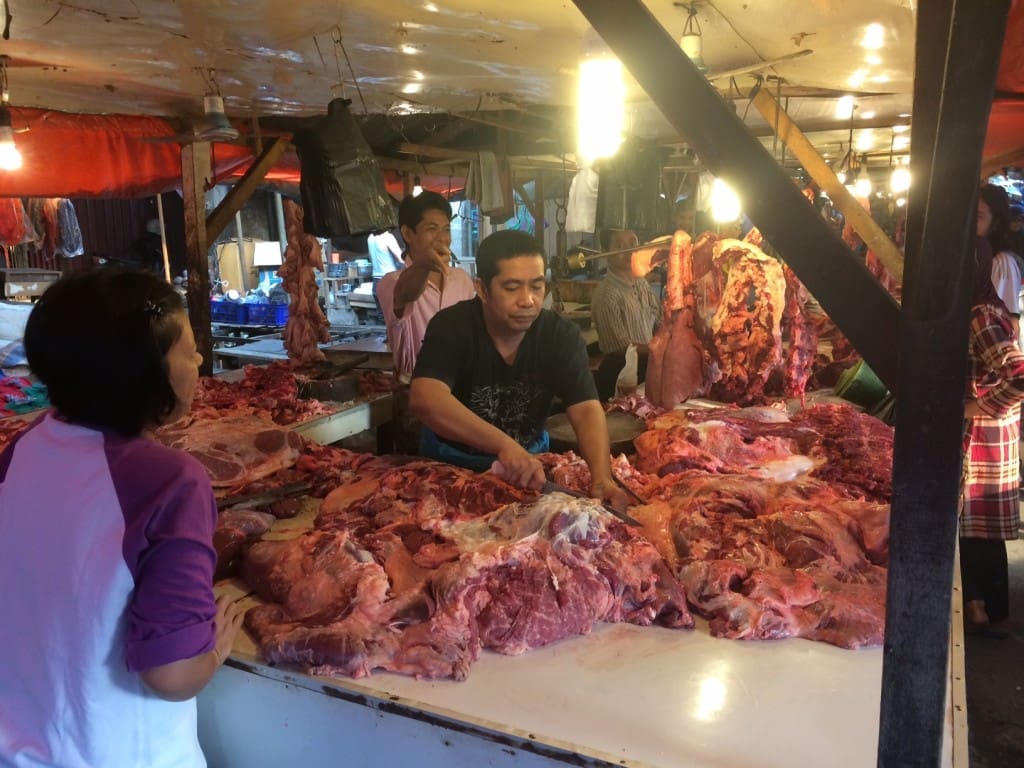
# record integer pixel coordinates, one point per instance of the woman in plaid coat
(991, 501)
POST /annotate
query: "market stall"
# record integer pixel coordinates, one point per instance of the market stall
(622, 695)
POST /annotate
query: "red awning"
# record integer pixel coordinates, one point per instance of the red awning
(66, 155)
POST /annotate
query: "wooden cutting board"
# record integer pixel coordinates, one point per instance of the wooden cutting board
(622, 429)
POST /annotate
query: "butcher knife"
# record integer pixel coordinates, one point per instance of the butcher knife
(265, 497)
(550, 487)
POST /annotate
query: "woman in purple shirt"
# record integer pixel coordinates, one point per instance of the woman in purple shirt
(110, 624)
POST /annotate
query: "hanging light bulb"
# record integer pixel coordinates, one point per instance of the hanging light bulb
(417, 188)
(725, 204)
(600, 102)
(900, 180)
(692, 42)
(862, 187)
(10, 157)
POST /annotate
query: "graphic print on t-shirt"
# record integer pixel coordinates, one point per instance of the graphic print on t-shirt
(507, 406)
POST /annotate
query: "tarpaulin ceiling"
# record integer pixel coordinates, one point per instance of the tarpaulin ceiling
(457, 57)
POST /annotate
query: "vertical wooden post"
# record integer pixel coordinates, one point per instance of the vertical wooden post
(195, 170)
(957, 57)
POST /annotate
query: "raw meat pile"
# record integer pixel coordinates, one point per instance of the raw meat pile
(428, 585)
(726, 306)
(768, 526)
(307, 326)
(270, 391)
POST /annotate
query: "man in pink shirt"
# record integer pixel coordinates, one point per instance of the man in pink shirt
(410, 297)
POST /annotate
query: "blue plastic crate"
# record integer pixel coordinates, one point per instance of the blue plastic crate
(267, 314)
(228, 312)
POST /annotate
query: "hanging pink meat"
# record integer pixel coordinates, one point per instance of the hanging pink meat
(307, 326)
(676, 368)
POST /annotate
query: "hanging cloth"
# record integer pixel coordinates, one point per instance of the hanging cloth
(581, 211)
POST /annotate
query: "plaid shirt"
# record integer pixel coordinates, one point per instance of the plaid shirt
(991, 497)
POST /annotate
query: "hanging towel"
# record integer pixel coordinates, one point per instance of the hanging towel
(484, 185)
(70, 243)
(581, 211)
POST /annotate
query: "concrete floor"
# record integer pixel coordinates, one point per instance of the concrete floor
(995, 683)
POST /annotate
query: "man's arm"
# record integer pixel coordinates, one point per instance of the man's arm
(432, 402)
(591, 428)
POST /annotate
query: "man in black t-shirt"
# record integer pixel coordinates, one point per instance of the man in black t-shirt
(490, 367)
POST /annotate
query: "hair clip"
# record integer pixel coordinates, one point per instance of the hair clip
(152, 310)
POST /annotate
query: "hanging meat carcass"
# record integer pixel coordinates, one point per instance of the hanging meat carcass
(678, 365)
(803, 337)
(746, 329)
(307, 326)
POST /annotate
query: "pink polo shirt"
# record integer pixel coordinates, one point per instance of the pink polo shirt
(405, 333)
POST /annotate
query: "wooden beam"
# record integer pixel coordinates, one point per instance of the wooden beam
(860, 219)
(195, 171)
(243, 189)
(442, 152)
(760, 66)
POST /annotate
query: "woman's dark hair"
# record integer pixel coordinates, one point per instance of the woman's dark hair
(506, 244)
(98, 341)
(998, 203)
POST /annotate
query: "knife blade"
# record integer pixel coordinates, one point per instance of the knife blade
(550, 487)
(265, 497)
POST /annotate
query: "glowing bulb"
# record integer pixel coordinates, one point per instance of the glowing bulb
(867, 115)
(857, 78)
(900, 128)
(725, 204)
(600, 110)
(900, 202)
(412, 88)
(874, 36)
(864, 141)
(417, 188)
(10, 157)
(844, 107)
(841, 176)
(409, 50)
(900, 142)
(863, 186)
(900, 180)
(431, 8)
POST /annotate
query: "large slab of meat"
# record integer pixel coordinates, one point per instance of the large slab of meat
(418, 571)
(235, 450)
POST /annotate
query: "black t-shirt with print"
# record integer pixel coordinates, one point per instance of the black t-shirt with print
(551, 361)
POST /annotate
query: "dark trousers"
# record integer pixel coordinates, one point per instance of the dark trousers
(610, 368)
(985, 575)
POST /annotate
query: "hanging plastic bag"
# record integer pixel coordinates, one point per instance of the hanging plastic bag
(626, 383)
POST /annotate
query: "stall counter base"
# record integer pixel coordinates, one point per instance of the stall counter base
(623, 695)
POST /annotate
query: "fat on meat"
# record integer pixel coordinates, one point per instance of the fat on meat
(235, 450)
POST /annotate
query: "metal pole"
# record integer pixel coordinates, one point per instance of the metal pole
(241, 252)
(282, 235)
(163, 236)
